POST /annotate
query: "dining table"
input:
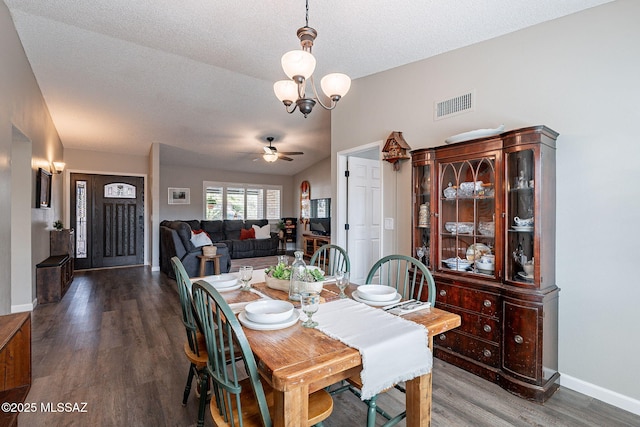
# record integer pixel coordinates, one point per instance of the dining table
(297, 361)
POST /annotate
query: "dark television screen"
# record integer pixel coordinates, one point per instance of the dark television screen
(321, 226)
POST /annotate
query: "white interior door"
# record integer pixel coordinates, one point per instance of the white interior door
(363, 216)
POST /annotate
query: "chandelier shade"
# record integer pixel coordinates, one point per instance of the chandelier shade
(299, 66)
(286, 91)
(298, 63)
(335, 84)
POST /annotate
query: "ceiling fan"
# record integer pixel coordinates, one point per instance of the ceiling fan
(271, 153)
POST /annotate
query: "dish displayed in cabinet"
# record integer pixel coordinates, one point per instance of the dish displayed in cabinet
(459, 227)
(487, 228)
(525, 276)
(523, 228)
(476, 251)
(458, 264)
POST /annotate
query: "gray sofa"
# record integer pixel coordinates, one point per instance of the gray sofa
(175, 240)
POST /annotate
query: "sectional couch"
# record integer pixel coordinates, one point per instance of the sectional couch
(175, 240)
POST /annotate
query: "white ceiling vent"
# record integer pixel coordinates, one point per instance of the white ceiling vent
(452, 107)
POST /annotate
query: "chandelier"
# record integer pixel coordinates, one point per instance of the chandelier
(299, 65)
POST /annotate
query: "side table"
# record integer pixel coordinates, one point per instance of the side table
(216, 263)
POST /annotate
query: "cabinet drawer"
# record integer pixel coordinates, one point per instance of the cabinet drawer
(477, 325)
(473, 348)
(469, 299)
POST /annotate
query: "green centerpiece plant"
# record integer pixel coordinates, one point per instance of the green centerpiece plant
(279, 276)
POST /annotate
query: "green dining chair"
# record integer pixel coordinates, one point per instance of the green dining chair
(405, 273)
(239, 396)
(408, 275)
(194, 348)
(331, 258)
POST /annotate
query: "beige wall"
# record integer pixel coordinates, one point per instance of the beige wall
(319, 177)
(193, 178)
(579, 76)
(28, 140)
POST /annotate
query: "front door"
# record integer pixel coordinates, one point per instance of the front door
(107, 213)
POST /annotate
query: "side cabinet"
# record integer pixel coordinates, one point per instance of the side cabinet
(15, 362)
(55, 274)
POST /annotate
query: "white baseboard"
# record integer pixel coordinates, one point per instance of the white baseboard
(24, 307)
(156, 268)
(611, 397)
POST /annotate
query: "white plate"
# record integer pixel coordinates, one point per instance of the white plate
(478, 133)
(523, 228)
(356, 297)
(475, 251)
(242, 317)
(220, 281)
(230, 288)
(525, 275)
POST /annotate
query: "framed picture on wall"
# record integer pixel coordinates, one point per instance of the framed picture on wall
(179, 196)
(43, 189)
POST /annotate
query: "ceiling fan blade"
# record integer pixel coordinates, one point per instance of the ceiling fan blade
(288, 159)
(291, 153)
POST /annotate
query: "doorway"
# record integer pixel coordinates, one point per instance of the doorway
(107, 212)
(360, 206)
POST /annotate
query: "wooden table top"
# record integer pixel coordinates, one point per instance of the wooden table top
(295, 355)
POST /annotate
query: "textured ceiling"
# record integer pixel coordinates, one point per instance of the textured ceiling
(197, 76)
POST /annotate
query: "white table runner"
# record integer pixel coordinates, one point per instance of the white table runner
(392, 349)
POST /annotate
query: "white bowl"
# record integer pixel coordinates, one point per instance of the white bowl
(487, 266)
(459, 227)
(457, 263)
(269, 311)
(376, 292)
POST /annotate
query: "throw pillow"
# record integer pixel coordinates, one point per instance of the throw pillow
(200, 238)
(247, 234)
(263, 232)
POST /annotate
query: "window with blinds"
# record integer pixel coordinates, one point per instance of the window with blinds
(241, 201)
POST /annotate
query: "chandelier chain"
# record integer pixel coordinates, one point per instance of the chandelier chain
(307, 14)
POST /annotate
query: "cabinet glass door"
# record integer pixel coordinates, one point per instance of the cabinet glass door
(468, 216)
(422, 214)
(520, 216)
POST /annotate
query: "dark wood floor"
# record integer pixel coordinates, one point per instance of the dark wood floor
(115, 342)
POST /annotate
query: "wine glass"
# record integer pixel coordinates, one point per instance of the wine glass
(310, 301)
(342, 281)
(246, 272)
(283, 259)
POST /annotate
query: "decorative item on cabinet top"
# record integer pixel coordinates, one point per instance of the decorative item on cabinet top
(478, 133)
(395, 149)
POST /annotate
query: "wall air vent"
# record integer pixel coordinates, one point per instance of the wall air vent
(454, 106)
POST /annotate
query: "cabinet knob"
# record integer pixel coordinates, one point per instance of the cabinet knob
(518, 339)
(486, 353)
(443, 292)
(487, 328)
(442, 337)
(487, 303)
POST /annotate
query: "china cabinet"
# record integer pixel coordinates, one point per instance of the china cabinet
(488, 237)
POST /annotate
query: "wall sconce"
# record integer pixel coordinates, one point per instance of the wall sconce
(395, 150)
(58, 167)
